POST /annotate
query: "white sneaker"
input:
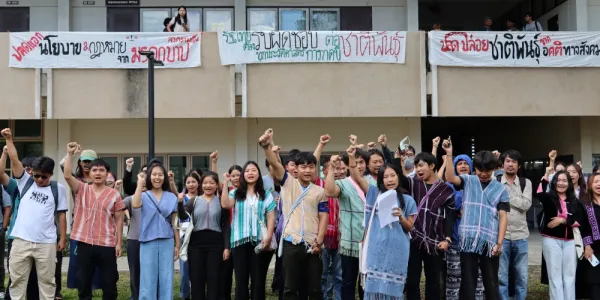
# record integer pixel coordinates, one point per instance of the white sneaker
(1, 295)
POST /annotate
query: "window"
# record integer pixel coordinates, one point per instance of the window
(14, 19)
(356, 18)
(595, 160)
(262, 19)
(179, 165)
(113, 162)
(293, 19)
(218, 19)
(160, 158)
(152, 19)
(324, 19)
(271, 19)
(28, 128)
(123, 19)
(200, 162)
(137, 163)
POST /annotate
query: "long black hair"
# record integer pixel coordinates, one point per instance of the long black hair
(401, 178)
(165, 185)
(259, 187)
(178, 17)
(571, 198)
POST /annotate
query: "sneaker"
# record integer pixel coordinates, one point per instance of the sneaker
(1, 295)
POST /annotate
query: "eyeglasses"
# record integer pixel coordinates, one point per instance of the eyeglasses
(37, 176)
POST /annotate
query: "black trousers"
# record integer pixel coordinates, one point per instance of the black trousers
(250, 266)
(433, 264)
(205, 259)
(470, 264)
(302, 272)
(278, 279)
(350, 276)
(58, 273)
(88, 259)
(133, 260)
(33, 291)
(226, 280)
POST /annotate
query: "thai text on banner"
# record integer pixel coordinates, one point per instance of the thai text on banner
(254, 47)
(102, 50)
(514, 49)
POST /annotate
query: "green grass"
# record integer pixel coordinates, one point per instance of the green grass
(536, 291)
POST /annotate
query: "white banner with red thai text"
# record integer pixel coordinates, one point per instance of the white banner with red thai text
(102, 50)
(514, 49)
(255, 47)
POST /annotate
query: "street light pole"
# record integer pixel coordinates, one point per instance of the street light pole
(151, 63)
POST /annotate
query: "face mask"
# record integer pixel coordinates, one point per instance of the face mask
(409, 163)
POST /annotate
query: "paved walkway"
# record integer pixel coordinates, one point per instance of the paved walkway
(535, 255)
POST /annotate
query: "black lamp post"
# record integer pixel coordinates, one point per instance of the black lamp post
(151, 63)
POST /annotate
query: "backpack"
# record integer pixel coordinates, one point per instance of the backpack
(53, 187)
(522, 181)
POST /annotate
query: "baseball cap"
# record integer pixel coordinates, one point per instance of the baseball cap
(88, 155)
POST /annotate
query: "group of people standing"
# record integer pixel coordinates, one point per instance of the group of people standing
(377, 220)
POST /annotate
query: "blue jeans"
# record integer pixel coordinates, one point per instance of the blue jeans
(331, 280)
(156, 267)
(514, 255)
(184, 279)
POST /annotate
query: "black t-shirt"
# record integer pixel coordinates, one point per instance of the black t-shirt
(505, 206)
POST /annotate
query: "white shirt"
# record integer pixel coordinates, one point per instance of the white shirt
(35, 218)
(178, 27)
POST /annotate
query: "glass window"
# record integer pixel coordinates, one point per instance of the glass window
(14, 19)
(4, 124)
(123, 19)
(194, 17)
(218, 20)
(262, 19)
(137, 163)
(152, 19)
(324, 20)
(28, 129)
(293, 19)
(200, 162)
(113, 162)
(178, 164)
(33, 149)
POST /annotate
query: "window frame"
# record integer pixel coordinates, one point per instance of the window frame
(251, 9)
(209, 9)
(305, 9)
(336, 10)
(142, 10)
(120, 169)
(175, 10)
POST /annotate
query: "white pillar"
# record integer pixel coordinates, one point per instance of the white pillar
(64, 15)
(412, 15)
(586, 133)
(581, 15)
(240, 14)
(241, 141)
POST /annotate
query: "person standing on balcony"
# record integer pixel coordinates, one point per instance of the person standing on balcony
(515, 246)
(483, 224)
(180, 22)
(487, 24)
(510, 25)
(531, 24)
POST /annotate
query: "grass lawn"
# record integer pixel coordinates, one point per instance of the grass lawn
(536, 290)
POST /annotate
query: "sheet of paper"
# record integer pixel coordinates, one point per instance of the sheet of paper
(386, 204)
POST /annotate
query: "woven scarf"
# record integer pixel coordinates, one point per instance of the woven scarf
(429, 224)
(478, 229)
(386, 252)
(595, 231)
(332, 238)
